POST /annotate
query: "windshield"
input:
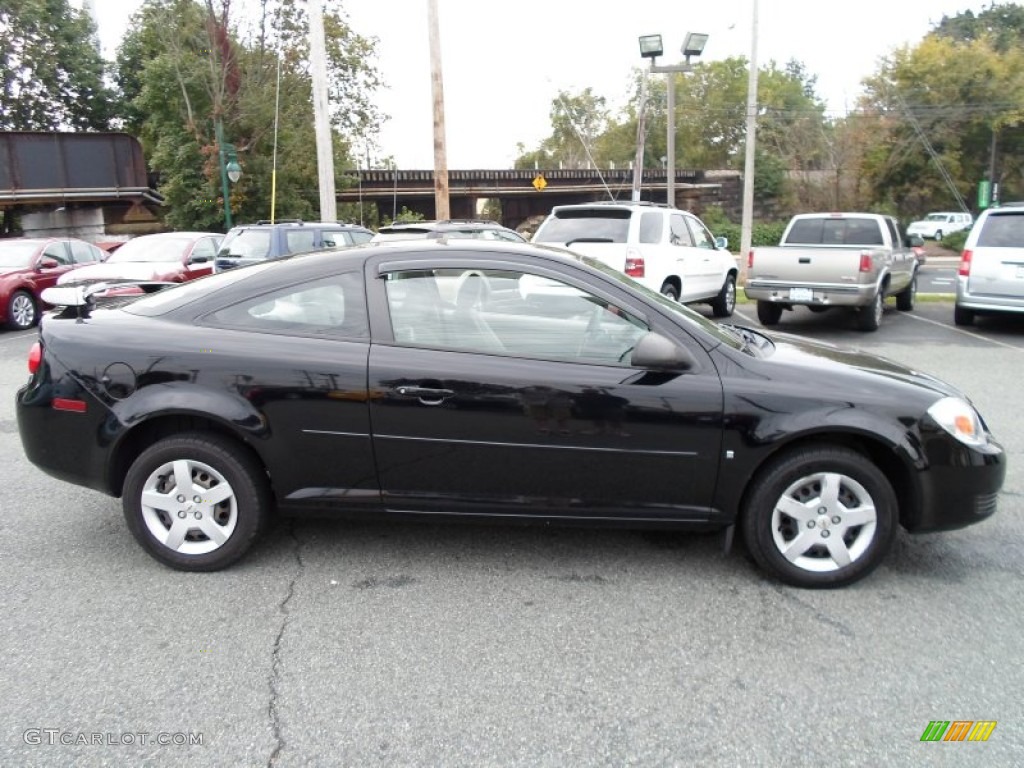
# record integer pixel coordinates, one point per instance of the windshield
(680, 311)
(17, 254)
(602, 224)
(149, 249)
(246, 244)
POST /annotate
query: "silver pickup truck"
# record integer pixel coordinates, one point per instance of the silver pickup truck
(828, 260)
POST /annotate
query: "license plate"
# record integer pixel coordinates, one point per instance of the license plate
(801, 294)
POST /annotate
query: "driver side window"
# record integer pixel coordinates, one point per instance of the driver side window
(58, 252)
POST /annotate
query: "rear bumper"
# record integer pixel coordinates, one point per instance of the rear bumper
(822, 294)
(983, 302)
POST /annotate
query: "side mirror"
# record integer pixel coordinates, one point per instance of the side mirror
(655, 352)
(47, 263)
(722, 243)
(917, 241)
(199, 259)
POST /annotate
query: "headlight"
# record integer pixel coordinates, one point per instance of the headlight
(959, 419)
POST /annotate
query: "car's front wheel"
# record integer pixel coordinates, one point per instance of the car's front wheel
(21, 311)
(820, 517)
(196, 502)
(725, 302)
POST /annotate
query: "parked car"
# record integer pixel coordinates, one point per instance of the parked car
(448, 228)
(938, 225)
(253, 243)
(552, 389)
(166, 257)
(825, 260)
(662, 248)
(29, 265)
(990, 279)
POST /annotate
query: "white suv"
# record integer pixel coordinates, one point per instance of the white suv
(935, 225)
(991, 274)
(665, 249)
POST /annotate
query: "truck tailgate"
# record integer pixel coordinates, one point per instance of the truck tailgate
(811, 265)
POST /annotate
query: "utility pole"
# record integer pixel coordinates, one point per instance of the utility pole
(321, 113)
(747, 224)
(441, 205)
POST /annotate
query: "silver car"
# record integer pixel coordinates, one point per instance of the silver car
(991, 274)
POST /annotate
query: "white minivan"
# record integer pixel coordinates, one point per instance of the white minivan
(991, 274)
(936, 225)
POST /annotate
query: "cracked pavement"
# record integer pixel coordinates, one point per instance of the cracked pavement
(354, 644)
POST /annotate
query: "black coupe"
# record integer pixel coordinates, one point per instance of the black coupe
(467, 379)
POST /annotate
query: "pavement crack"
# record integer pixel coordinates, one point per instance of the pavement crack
(274, 679)
(818, 615)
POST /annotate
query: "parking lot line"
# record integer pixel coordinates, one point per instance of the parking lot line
(961, 330)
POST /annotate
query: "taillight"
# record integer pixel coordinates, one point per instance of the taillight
(865, 262)
(635, 266)
(965, 264)
(35, 357)
(750, 259)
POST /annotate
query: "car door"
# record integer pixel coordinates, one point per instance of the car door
(711, 269)
(689, 259)
(58, 251)
(515, 397)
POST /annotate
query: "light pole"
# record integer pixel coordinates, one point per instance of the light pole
(651, 48)
(229, 169)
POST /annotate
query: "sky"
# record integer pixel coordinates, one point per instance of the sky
(504, 62)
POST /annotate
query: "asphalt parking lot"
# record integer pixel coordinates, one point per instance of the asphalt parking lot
(399, 644)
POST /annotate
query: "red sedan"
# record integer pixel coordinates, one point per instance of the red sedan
(173, 257)
(28, 265)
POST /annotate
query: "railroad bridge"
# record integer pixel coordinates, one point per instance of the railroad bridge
(526, 193)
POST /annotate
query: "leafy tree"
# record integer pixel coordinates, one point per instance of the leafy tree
(183, 66)
(51, 76)
(577, 121)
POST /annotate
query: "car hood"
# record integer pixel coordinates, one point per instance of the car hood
(127, 270)
(861, 369)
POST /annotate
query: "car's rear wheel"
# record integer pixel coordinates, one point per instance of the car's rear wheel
(768, 313)
(196, 502)
(21, 311)
(905, 299)
(820, 517)
(670, 290)
(725, 302)
(938, 235)
(962, 315)
(869, 317)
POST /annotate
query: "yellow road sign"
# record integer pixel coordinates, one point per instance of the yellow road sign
(539, 182)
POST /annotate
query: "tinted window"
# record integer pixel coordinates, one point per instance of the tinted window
(1002, 230)
(333, 306)
(513, 313)
(650, 227)
(680, 234)
(298, 240)
(894, 234)
(600, 224)
(845, 231)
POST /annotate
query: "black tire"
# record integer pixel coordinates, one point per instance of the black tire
(22, 311)
(905, 299)
(962, 315)
(669, 290)
(869, 317)
(768, 313)
(725, 302)
(210, 461)
(817, 541)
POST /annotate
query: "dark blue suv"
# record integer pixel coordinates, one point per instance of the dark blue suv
(253, 243)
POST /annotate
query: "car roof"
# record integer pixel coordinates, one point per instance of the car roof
(298, 223)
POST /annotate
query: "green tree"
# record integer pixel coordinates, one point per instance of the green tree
(51, 74)
(183, 66)
(577, 121)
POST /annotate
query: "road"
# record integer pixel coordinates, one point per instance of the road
(409, 645)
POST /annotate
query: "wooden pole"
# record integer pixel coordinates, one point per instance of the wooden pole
(441, 204)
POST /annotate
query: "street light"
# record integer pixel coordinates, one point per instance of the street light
(651, 48)
(230, 168)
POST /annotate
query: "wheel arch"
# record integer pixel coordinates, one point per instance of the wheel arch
(675, 281)
(145, 433)
(898, 469)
